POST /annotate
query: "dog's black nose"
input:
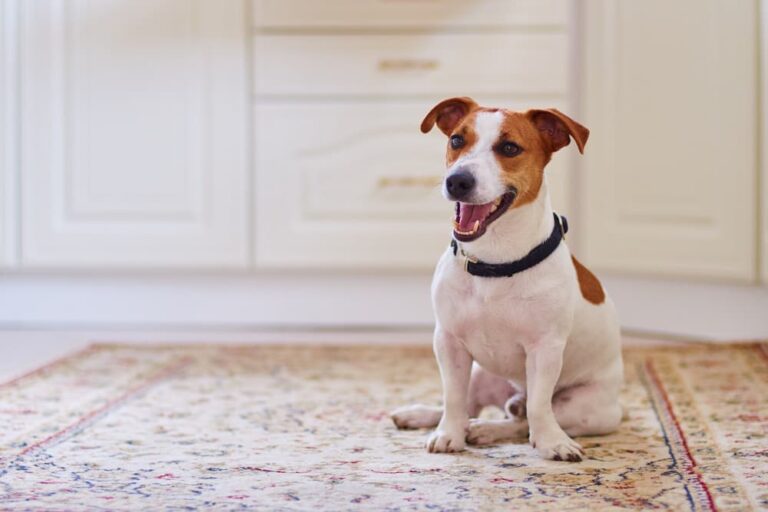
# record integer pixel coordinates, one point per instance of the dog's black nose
(460, 185)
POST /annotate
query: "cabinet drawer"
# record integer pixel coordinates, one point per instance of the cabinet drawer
(408, 13)
(429, 64)
(351, 185)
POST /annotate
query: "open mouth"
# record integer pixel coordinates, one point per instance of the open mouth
(473, 219)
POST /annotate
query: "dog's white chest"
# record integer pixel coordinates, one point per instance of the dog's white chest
(497, 318)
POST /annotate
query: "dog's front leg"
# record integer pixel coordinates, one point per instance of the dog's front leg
(455, 368)
(543, 365)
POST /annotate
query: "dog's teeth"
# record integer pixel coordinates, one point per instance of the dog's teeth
(493, 208)
(472, 231)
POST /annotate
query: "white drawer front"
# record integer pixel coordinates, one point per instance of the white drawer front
(435, 64)
(351, 185)
(408, 13)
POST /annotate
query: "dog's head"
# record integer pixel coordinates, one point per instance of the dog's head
(496, 157)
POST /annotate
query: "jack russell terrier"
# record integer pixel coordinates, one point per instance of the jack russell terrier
(520, 323)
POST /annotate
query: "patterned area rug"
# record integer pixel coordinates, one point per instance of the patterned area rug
(297, 428)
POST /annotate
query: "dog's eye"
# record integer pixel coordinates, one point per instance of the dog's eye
(509, 149)
(457, 141)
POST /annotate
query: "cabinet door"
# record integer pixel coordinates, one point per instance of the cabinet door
(343, 185)
(133, 120)
(670, 96)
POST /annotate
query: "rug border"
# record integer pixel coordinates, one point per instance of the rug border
(101, 345)
(51, 364)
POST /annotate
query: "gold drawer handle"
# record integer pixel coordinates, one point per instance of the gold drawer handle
(408, 181)
(408, 64)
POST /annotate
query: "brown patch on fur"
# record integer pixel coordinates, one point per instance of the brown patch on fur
(524, 171)
(448, 114)
(466, 130)
(558, 129)
(591, 289)
(539, 133)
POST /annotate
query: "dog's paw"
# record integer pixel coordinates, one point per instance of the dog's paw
(557, 446)
(446, 441)
(482, 432)
(416, 416)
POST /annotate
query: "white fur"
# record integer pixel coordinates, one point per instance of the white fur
(481, 162)
(534, 330)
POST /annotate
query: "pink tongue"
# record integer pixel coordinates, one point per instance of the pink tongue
(469, 213)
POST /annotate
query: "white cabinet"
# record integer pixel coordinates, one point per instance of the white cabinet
(126, 126)
(134, 133)
(670, 96)
(339, 184)
(343, 177)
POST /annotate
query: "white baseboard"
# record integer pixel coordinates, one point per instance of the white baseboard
(296, 300)
(308, 301)
(706, 311)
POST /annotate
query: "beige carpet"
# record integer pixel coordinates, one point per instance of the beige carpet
(269, 428)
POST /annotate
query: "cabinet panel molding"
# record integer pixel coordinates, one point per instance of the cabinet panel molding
(671, 172)
(134, 134)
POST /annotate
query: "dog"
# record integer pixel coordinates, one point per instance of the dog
(520, 322)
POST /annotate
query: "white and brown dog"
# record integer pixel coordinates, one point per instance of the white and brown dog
(520, 323)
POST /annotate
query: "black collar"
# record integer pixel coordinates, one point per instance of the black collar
(533, 258)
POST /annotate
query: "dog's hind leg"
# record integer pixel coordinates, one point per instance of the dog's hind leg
(484, 389)
(588, 410)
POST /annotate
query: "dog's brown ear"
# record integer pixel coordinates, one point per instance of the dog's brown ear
(447, 114)
(557, 128)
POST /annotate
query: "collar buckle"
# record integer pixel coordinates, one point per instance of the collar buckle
(459, 251)
(467, 260)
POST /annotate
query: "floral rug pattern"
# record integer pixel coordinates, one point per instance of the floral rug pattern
(307, 428)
